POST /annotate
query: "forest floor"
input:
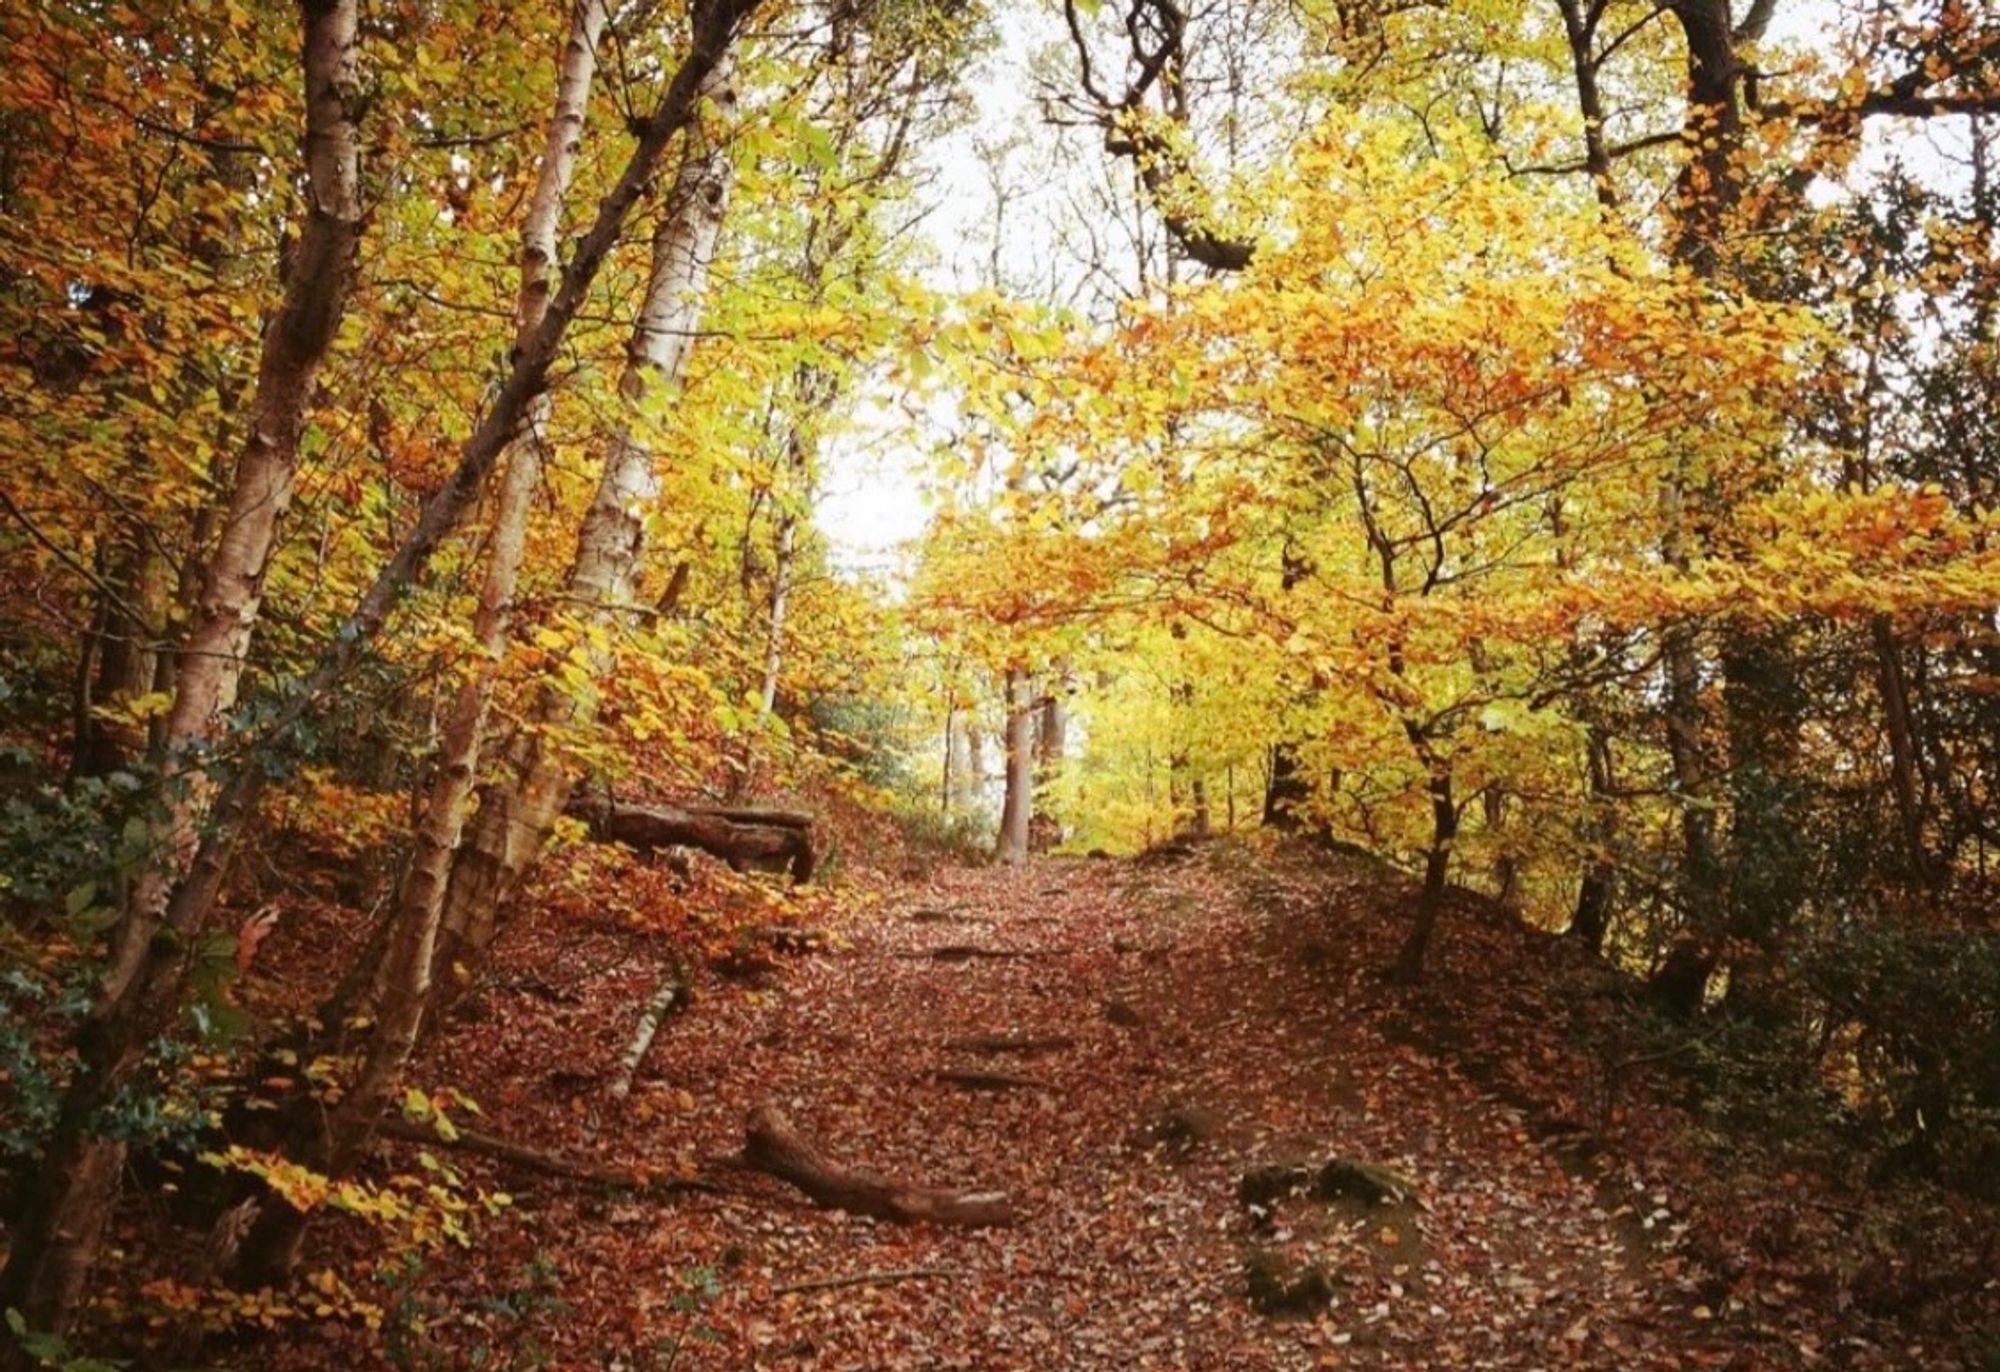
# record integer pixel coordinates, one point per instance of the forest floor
(1223, 1011)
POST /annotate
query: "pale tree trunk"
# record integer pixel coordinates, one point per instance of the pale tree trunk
(56, 1244)
(516, 815)
(974, 778)
(332, 1143)
(1051, 742)
(53, 1248)
(295, 344)
(1019, 803)
(774, 628)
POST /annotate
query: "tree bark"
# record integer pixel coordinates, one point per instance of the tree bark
(1591, 920)
(54, 1247)
(673, 988)
(1018, 805)
(1444, 829)
(56, 1244)
(742, 836)
(1897, 718)
(516, 814)
(1051, 742)
(337, 1142)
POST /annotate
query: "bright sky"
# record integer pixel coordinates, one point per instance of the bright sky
(872, 508)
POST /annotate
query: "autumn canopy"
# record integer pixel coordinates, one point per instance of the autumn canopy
(532, 531)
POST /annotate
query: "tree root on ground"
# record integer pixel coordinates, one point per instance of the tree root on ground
(772, 1146)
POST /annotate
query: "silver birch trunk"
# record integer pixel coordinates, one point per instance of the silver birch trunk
(405, 971)
(296, 342)
(56, 1245)
(53, 1248)
(515, 817)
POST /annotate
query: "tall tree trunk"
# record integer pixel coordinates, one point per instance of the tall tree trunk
(1707, 195)
(1019, 803)
(974, 779)
(1288, 791)
(122, 656)
(317, 278)
(54, 1247)
(1437, 865)
(1898, 718)
(1051, 742)
(784, 550)
(1591, 921)
(1506, 868)
(331, 1143)
(517, 813)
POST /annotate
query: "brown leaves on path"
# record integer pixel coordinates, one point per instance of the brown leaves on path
(1130, 1244)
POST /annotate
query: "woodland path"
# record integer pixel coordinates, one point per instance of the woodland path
(1131, 1248)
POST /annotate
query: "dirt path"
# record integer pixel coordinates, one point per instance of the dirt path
(1133, 1244)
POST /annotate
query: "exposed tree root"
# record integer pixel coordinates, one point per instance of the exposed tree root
(973, 1079)
(969, 952)
(772, 1146)
(1027, 1045)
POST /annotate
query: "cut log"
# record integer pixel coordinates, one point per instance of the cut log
(742, 836)
(672, 992)
(938, 915)
(1026, 1045)
(772, 1146)
(974, 1079)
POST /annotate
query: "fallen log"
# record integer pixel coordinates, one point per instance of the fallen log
(673, 990)
(974, 1079)
(1025, 1045)
(772, 1146)
(745, 837)
(968, 952)
(938, 915)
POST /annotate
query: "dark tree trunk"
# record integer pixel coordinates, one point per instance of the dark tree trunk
(1444, 829)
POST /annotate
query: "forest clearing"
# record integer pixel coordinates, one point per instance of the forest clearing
(909, 683)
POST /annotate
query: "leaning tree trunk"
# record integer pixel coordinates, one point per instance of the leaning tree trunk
(516, 815)
(331, 1144)
(55, 1245)
(1018, 804)
(53, 1249)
